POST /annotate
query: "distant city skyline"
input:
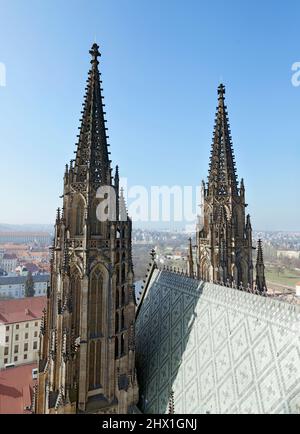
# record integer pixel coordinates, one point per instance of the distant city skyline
(161, 64)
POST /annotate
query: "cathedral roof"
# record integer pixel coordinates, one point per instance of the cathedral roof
(215, 349)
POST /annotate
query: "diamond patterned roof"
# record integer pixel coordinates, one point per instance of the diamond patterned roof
(220, 350)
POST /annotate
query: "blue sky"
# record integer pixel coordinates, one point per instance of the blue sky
(161, 64)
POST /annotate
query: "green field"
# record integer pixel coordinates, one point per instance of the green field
(286, 277)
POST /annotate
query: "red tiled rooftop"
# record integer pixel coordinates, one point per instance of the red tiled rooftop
(22, 309)
(16, 389)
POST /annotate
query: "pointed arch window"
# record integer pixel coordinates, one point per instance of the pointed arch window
(117, 298)
(98, 365)
(123, 296)
(75, 284)
(95, 315)
(117, 322)
(79, 222)
(92, 365)
(122, 344)
(122, 320)
(96, 226)
(116, 347)
(117, 275)
(123, 272)
(95, 365)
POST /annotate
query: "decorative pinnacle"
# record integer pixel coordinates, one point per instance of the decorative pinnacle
(221, 91)
(95, 53)
(171, 403)
(153, 254)
(260, 258)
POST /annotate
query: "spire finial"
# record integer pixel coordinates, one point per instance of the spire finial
(221, 91)
(92, 163)
(222, 179)
(95, 53)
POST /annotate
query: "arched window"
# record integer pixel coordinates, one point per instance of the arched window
(123, 296)
(95, 365)
(92, 365)
(122, 345)
(96, 226)
(75, 284)
(98, 365)
(117, 322)
(123, 272)
(122, 320)
(79, 223)
(117, 298)
(116, 347)
(117, 275)
(95, 303)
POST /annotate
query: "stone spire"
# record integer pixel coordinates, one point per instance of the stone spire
(224, 237)
(190, 259)
(117, 186)
(87, 356)
(122, 206)
(260, 269)
(92, 161)
(222, 172)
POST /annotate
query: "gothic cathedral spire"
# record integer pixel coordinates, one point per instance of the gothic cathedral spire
(190, 259)
(87, 350)
(224, 235)
(222, 172)
(260, 282)
(92, 161)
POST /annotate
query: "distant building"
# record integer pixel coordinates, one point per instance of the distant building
(22, 270)
(20, 322)
(9, 262)
(298, 289)
(292, 254)
(21, 380)
(14, 286)
(26, 237)
(3, 272)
